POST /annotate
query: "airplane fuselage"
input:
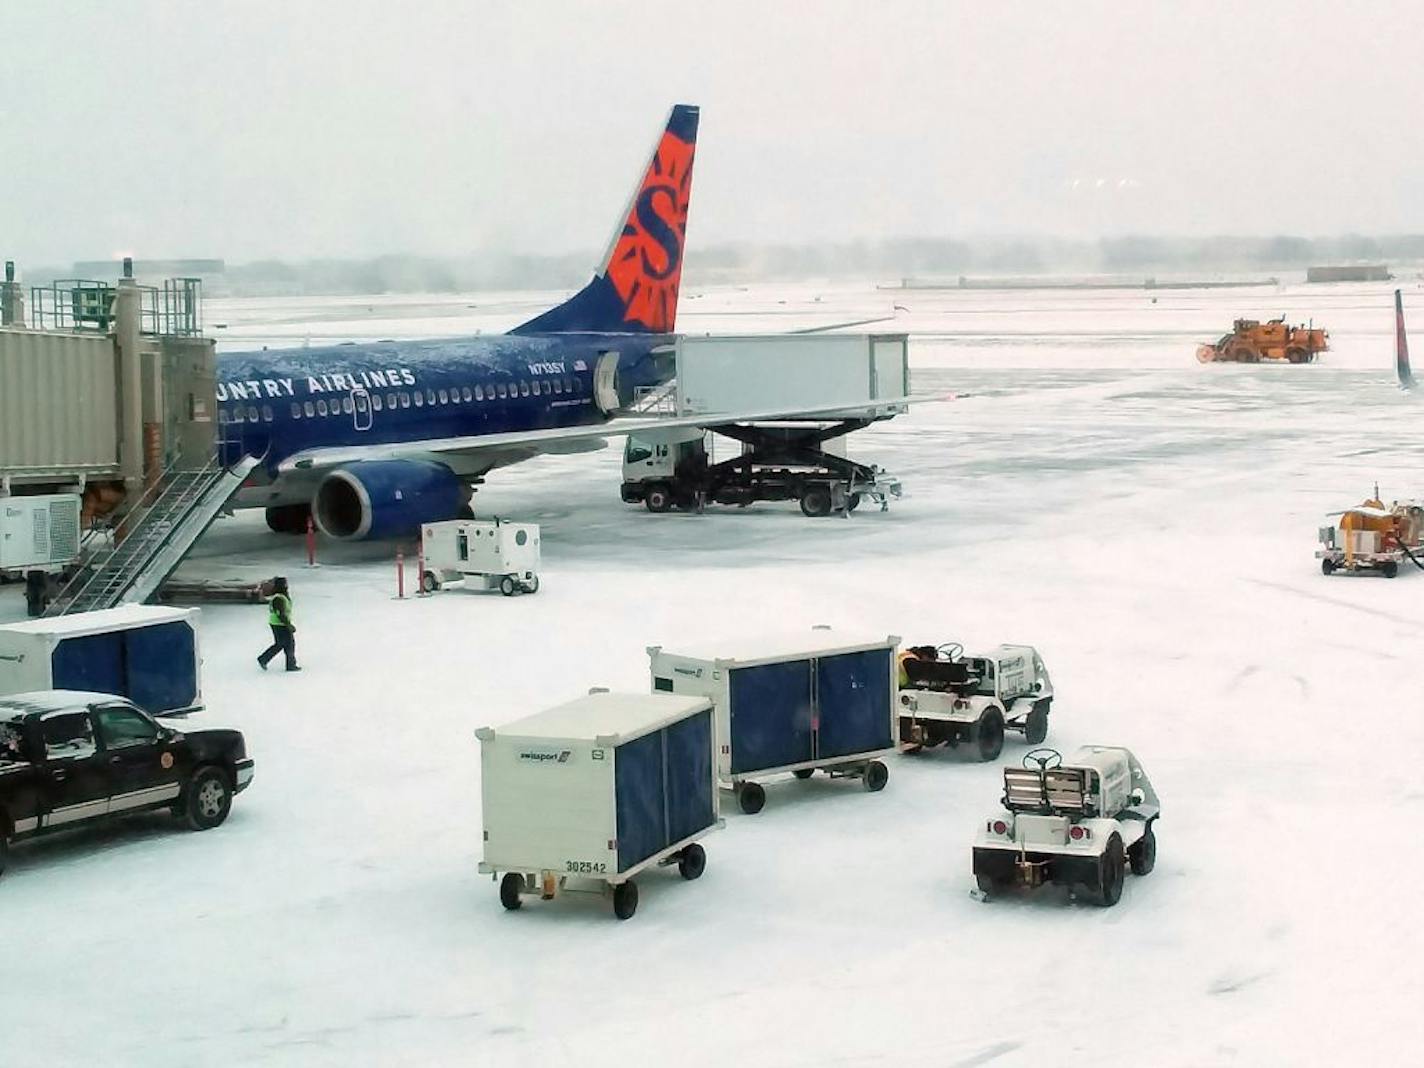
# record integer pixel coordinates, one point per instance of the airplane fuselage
(281, 403)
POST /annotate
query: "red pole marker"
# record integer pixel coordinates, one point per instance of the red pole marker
(311, 542)
(400, 572)
(420, 567)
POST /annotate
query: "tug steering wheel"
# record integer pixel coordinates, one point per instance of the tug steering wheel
(1042, 759)
(950, 651)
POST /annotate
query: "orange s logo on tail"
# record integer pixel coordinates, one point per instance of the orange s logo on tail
(646, 262)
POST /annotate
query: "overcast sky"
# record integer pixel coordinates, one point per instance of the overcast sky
(295, 129)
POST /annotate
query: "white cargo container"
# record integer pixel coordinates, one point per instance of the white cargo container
(795, 703)
(496, 554)
(39, 532)
(147, 653)
(588, 794)
(791, 372)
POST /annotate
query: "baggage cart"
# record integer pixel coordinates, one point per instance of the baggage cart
(589, 794)
(796, 703)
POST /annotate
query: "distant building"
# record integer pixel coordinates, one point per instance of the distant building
(1360, 272)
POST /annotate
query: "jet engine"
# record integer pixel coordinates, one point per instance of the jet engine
(386, 498)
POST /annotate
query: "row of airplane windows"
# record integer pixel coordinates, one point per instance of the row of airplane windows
(403, 399)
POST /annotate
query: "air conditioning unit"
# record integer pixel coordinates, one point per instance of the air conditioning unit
(38, 532)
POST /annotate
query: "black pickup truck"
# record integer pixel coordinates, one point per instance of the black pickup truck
(68, 758)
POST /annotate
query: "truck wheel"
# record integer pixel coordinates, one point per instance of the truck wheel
(1111, 871)
(816, 501)
(1327, 566)
(208, 799)
(4, 848)
(1143, 854)
(429, 583)
(988, 734)
(658, 499)
(692, 862)
(625, 900)
(751, 797)
(989, 886)
(1297, 355)
(804, 773)
(1390, 569)
(509, 888)
(1036, 725)
(852, 502)
(508, 586)
(876, 776)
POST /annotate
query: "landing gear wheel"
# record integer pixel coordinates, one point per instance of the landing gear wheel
(658, 499)
(692, 862)
(988, 734)
(288, 518)
(429, 582)
(1112, 869)
(208, 799)
(816, 501)
(804, 773)
(1327, 566)
(1036, 725)
(876, 776)
(508, 586)
(751, 797)
(1143, 854)
(532, 586)
(625, 900)
(509, 888)
(1390, 569)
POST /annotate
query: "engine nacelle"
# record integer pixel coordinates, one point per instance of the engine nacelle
(386, 499)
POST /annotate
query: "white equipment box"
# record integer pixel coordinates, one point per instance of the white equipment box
(586, 795)
(501, 555)
(39, 532)
(791, 373)
(793, 703)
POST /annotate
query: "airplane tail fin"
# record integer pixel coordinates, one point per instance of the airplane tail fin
(1401, 345)
(635, 290)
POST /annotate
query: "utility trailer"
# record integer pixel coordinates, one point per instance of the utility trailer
(1371, 537)
(494, 554)
(785, 400)
(147, 653)
(589, 794)
(799, 703)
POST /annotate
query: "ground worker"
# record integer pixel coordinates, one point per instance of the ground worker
(279, 617)
(914, 652)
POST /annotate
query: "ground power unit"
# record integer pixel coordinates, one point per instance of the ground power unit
(147, 653)
(586, 795)
(489, 554)
(40, 532)
(799, 703)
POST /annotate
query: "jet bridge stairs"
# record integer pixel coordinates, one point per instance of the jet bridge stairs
(159, 531)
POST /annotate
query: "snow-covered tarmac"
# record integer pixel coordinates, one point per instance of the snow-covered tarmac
(1146, 522)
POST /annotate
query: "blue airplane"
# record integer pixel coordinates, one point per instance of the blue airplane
(374, 440)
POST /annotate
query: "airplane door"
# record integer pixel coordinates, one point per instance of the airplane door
(605, 382)
(361, 409)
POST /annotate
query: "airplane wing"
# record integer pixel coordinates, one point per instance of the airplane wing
(567, 439)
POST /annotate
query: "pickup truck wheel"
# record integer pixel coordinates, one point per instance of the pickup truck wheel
(658, 499)
(692, 862)
(1143, 854)
(208, 799)
(988, 734)
(1112, 870)
(509, 888)
(1036, 725)
(625, 900)
(4, 849)
(751, 797)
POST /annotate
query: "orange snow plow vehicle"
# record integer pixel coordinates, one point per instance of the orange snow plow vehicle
(1251, 341)
(1371, 537)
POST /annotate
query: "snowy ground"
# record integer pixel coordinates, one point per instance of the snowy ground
(1147, 522)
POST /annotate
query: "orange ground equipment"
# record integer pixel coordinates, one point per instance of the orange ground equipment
(1371, 537)
(1251, 341)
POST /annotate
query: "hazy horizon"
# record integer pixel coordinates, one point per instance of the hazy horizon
(259, 130)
